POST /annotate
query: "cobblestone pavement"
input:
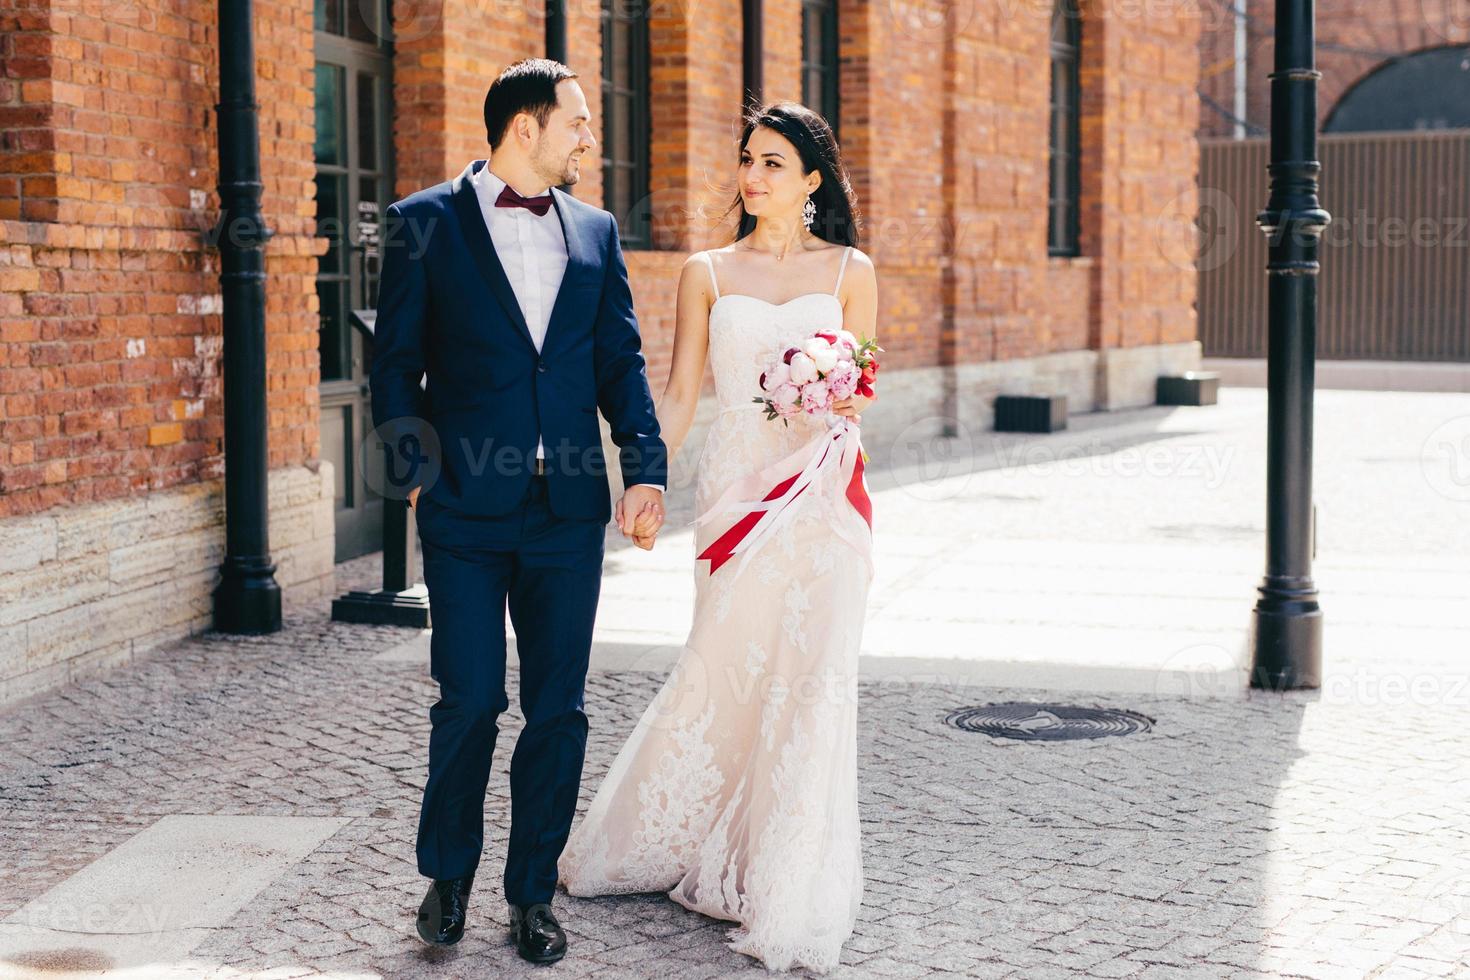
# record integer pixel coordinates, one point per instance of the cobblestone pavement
(1271, 835)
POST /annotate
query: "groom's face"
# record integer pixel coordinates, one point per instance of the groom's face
(566, 137)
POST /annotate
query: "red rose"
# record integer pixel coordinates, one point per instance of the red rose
(869, 373)
(866, 390)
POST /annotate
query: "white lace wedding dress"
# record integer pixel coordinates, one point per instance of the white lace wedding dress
(737, 791)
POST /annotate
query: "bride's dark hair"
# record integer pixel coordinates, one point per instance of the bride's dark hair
(837, 214)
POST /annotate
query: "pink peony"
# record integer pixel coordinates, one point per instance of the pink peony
(786, 400)
(816, 398)
(843, 380)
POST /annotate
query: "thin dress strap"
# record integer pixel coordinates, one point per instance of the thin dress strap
(711, 263)
(841, 269)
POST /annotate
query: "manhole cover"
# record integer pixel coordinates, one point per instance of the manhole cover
(1047, 722)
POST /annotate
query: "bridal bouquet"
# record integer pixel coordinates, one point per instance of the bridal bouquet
(826, 368)
(807, 379)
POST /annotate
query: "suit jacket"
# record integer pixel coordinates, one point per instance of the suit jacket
(447, 310)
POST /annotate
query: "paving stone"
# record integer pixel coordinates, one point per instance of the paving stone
(1310, 834)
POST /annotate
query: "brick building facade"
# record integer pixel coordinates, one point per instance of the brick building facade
(111, 504)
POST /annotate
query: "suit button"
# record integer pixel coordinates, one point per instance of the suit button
(541, 366)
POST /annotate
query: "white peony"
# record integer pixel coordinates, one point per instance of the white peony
(821, 353)
(803, 369)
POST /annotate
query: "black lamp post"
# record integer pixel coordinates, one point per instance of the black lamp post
(247, 599)
(1286, 626)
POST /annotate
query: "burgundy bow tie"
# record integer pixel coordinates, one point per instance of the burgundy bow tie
(510, 199)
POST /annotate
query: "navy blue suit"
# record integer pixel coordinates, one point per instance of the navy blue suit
(495, 534)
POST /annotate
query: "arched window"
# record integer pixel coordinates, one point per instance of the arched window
(1063, 189)
(625, 119)
(1423, 90)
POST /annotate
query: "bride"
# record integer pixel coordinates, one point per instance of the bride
(737, 791)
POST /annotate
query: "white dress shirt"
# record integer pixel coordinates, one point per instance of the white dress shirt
(533, 252)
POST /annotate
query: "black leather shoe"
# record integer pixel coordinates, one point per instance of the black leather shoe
(537, 934)
(442, 914)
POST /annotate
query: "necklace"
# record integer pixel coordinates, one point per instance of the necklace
(780, 256)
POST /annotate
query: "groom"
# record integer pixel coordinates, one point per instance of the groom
(512, 297)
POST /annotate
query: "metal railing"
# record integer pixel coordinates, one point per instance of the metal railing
(1395, 279)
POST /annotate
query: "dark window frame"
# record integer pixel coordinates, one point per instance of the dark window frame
(629, 150)
(821, 69)
(1064, 177)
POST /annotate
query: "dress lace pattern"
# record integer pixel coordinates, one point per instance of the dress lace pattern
(736, 793)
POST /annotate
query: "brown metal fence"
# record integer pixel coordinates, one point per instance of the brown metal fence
(1395, 279)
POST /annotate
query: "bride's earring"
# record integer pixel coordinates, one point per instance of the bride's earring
(808, 213)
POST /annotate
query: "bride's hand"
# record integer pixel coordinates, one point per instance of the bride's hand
(648, 522)
(852, 407)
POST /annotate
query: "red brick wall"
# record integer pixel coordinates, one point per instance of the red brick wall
(1353, 38)
(1146, 197)
(440, 74)
(109, 299)
(109, 317)
(691, 149)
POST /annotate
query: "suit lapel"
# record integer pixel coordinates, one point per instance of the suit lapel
(582, 262)
(582, 265)
(482, 249)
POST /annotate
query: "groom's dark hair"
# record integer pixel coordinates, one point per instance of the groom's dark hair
(527, 86)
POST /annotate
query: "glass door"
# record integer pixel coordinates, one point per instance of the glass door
(354, 184)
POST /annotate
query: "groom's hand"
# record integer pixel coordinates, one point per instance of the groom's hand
(413, 498)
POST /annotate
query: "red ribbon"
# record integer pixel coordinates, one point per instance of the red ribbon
(857, 492)
(722, 548)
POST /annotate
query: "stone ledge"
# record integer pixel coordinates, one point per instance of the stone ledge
(86, 588)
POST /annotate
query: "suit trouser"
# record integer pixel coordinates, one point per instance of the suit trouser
(548, 570)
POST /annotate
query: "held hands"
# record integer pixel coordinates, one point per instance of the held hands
(640, 515)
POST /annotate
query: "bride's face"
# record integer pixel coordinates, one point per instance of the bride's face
(770, 178)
